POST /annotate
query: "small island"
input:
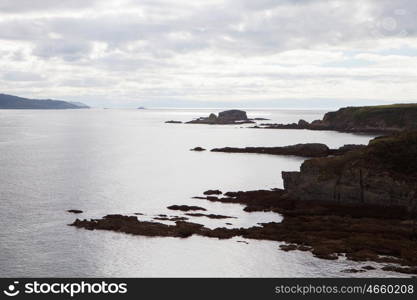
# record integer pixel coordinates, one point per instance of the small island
(228, 117)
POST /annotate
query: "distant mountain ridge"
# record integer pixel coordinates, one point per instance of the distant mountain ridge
(15, 102)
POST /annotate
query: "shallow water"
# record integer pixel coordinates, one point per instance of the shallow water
(129, 161)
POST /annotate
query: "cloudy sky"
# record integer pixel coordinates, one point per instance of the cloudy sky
(281, 53)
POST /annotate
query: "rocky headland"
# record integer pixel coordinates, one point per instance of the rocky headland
(375, 119)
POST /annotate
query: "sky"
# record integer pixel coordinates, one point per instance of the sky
(212, 53)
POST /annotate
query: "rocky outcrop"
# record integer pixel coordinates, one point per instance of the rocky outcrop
(383, 173)
(303, 150)
(227, 117)
(185, 207)
(75, 211)
(198, 149)
(383, 118)
(173, 122)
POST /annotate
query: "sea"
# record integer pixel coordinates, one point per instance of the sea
(127, 161)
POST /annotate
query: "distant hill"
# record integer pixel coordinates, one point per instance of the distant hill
(14, 102)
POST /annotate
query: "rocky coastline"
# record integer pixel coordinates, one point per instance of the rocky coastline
(326, 210)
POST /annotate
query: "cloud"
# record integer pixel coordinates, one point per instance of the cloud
(220, 50)
(21, 76)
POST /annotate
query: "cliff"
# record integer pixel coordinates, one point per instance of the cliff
(383, 118)
(14, 102)
(383, 173)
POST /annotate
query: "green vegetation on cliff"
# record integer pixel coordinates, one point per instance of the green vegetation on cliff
(385, 117)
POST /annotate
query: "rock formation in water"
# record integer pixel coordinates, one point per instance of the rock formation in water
(173, 122)
(14, 102)
(383, 118)
(383, 173)
(198, 149)
(227, 117)
(303, 150)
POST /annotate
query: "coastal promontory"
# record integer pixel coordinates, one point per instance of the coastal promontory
(382, 118)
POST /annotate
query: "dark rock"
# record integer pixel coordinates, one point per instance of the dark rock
(212, 192)
(172, 218)
(198, 149)
(233, 116)
(185, 207)
(374, 119)
(211, 216)
(14, 102)
(304, 150)
(173, 122)
(368, 268)
(405, 270)
(383, 173)
(75, 211)
(139, 214)
(353, 271)
(302, 124)
(289, 247)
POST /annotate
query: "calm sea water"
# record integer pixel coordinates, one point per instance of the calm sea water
(129, 161)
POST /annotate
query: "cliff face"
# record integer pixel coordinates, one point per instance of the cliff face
(384, 173)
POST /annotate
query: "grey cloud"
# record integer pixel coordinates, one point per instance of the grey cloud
(21, 76)
(65, 49)
(16, 6)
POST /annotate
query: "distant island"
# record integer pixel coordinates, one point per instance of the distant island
(14, 102)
